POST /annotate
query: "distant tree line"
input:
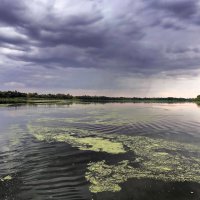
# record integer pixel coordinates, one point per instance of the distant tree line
(12, 94)
(16, 94)
(133, 99)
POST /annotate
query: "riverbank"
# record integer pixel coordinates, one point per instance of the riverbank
(15, 97)
(92, 100)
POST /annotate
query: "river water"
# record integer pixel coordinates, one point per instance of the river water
(100, 151)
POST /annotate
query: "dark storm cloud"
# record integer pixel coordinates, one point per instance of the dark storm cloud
(4, 39)
(182, 50)
(99, 34)
(179, 8)
(187, 11)
(12, 12)
(51, 30)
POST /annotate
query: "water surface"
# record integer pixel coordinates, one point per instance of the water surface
(49, 151)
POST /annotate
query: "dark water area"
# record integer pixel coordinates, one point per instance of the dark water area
(34, 167)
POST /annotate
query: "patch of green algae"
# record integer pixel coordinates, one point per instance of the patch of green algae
(6, 178)
(83, 143)
(105, 177)
(93, 144)
(157, 159)
(105, 118)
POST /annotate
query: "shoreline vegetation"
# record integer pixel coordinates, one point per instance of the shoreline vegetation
(15, 97)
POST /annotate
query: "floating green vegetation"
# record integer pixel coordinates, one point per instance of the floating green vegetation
(64, 120)
(105, 177)
(83, 143)
(6, 178)
(155, 158)
(93, 144)
(106, 118)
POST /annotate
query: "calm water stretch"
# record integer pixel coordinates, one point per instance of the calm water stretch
(100, 151)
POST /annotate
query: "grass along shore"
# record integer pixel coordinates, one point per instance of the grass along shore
(15, 97)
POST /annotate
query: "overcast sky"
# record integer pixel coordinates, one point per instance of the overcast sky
(101, 47)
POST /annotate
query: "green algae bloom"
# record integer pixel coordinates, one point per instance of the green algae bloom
(6, 178)
(105, 177)
(99, 144)
(156, 159)
(100, 118)
(83, 143)
(93, 144)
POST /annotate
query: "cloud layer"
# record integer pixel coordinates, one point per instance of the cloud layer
(113, 38)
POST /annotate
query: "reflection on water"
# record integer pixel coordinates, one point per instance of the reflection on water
(50, 151)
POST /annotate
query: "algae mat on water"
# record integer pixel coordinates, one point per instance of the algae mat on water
(83, 143)
(6, 178)
(153, 158)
